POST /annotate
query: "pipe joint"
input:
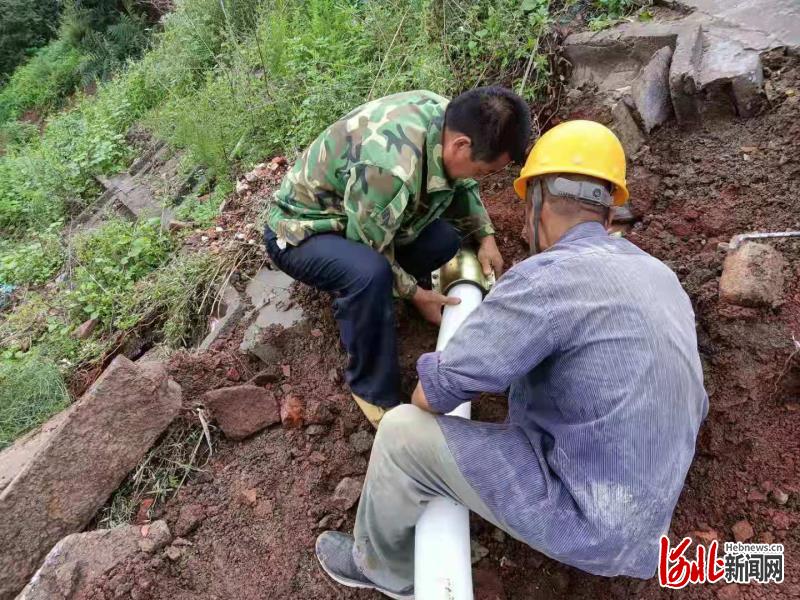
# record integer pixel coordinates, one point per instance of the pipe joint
(464, 267)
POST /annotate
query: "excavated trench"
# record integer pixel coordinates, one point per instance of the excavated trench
(257, 505)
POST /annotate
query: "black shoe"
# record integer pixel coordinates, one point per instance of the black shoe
(335, 553)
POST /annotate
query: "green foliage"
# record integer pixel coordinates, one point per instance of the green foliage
(108, 51)
(42, 82)
(201, 212)
(178, 297)
(611, 12)
(274, 84)
(31, 391)
(17, 133)
(108, 263)
(33, 260)
(24, 25)
(41, 325)
(41, 181)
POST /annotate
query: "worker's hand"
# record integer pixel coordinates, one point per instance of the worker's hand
(430, 304)
(490, 258)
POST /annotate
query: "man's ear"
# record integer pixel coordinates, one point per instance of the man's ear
(462, 142)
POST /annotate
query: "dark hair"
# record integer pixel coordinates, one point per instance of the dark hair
(495, 119)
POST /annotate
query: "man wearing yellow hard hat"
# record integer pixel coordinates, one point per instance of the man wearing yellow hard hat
(594, 341)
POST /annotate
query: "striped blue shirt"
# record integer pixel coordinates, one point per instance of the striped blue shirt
(595, 342)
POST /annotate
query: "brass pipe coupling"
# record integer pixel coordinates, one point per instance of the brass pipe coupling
(462, 268)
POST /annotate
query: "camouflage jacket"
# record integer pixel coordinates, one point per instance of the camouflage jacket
(377, 176)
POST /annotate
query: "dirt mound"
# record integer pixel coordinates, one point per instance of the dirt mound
(265, 499)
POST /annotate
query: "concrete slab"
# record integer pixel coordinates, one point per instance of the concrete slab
(268, 292)
(756, 24)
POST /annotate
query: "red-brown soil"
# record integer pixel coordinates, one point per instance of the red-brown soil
(264, 498)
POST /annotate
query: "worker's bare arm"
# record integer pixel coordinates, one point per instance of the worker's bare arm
(418, 398)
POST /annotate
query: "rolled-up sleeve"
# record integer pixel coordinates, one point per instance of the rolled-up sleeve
(502, 340)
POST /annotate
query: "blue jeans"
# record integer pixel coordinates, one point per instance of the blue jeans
(361, 280)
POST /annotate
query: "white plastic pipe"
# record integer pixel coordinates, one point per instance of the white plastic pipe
(442, 559)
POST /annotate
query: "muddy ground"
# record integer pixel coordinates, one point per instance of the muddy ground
(256, 507)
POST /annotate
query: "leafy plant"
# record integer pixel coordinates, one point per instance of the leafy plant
(611, 12)
(32, 261)
(109, 262)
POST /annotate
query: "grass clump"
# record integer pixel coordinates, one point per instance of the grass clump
(31, 391)
(180, 452)
(177, 298)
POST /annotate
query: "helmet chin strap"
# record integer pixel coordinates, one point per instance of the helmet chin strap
(534, 193)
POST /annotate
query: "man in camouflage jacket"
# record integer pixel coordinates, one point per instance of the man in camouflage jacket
(382, 198)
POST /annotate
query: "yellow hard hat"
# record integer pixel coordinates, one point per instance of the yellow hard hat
(580, 147)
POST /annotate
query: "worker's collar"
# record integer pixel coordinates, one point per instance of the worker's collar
(436, 176)
(583, 230)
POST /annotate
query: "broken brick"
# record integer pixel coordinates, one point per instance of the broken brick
(292, 412)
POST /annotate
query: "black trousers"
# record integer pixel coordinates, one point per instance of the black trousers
(362, 281)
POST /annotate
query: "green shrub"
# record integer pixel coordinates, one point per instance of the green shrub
(33, 260)
(42, 82)
(108, 51)
(108, 263)
(31, 391)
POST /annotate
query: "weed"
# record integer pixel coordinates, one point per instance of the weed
(201, 212)
(611, 12)
(34, 260)
(108, 263)
(177, 297)
(160, 474)
(31, 391)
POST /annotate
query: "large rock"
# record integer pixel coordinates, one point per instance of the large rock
(716, 67)
(347, 493)
(74, 564)
(242, 410)
(53, 481)
(650, 90)
(752, 276)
